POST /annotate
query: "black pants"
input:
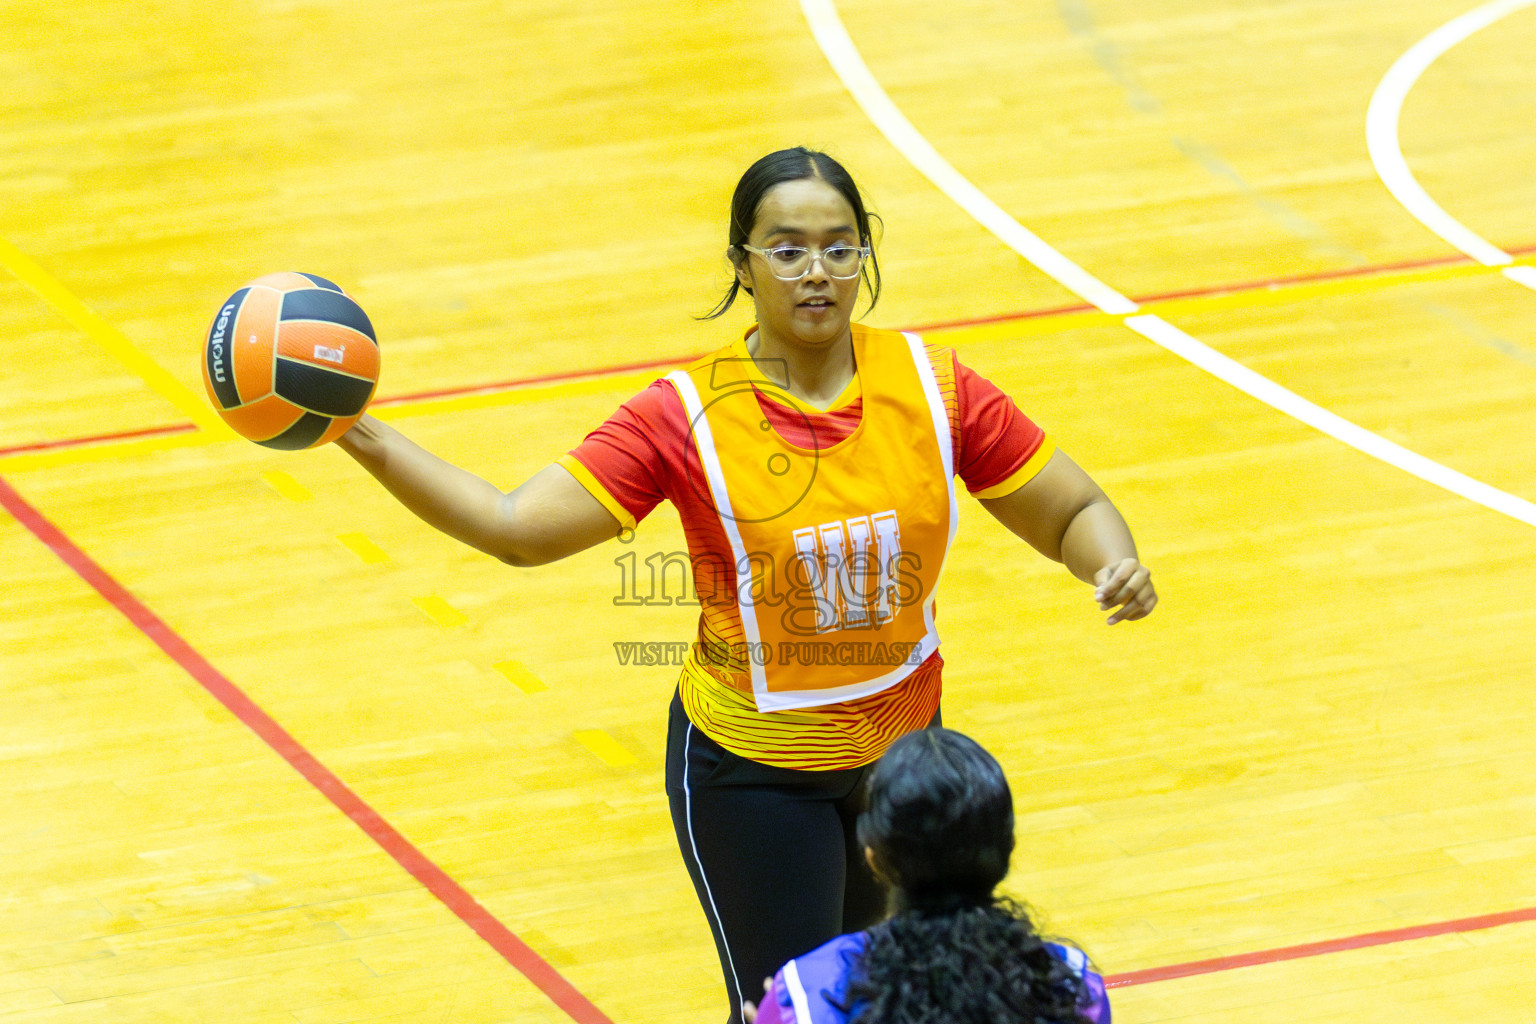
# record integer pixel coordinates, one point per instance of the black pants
(772, 854)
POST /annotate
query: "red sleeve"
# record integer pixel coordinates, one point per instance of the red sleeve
(997, 441)
(633, 454)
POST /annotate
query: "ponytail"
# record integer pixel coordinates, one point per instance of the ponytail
(973, 963)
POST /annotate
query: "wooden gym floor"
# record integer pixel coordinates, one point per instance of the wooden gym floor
(270, 751)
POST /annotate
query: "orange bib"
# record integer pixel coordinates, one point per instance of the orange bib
(837, 552)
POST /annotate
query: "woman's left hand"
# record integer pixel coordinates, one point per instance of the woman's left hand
(1125, 586)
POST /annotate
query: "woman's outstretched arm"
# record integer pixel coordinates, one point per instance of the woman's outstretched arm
(548, 517)
(1065, 516)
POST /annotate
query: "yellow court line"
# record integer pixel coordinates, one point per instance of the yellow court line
(440, 611)
(518, 674)
(286, 485)
(363, 548)
(607, 749)
(1240, 297)
(1306, 291)
(109, 451)
(1247, 297)
(116, 344)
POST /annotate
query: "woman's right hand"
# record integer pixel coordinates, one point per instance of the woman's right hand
(749, 1009)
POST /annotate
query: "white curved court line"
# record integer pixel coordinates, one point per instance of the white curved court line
(848, 64)
(833, 38)
(1381, 119)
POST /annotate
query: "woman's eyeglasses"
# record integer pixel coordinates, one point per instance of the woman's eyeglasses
(792, 262)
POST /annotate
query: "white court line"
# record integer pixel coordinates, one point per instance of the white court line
(846, 60)
(1381, 140)
(849, 66)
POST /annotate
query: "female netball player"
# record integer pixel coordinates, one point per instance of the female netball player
(938, 832)
(812, 463)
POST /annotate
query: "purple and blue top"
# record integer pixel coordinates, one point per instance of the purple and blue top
(812, 989)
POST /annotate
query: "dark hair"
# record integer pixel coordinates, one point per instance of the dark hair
(776, 168)
(940, 821)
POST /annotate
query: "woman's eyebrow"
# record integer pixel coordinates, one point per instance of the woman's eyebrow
(781, 230)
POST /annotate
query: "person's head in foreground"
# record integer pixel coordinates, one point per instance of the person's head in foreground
(938, 831)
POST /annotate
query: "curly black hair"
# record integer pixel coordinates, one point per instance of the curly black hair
(939, 822)
(970, 964)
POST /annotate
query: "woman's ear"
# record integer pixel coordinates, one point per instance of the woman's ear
(874, 864)
(744, 275)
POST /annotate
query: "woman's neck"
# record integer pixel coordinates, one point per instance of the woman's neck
(941, 902)
(816, 376)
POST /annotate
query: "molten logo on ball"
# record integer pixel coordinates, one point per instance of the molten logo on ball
(216, 345)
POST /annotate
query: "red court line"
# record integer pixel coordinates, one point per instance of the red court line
(513, 950)
(1000, 318)
(523, 382)
(80, 442)
(497, 935)
(1212, 291)
(1310, 949)
(604, 371)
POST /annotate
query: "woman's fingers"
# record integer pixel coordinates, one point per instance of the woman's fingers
(1127, 588)
(748, 1008)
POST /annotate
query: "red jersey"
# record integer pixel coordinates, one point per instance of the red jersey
(645, 453)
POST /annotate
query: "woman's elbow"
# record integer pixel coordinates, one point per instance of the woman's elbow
(525, 556)
(530, 552)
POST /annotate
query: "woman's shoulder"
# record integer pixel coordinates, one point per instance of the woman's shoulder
(843, 949)
(812, 988)
(1095, 1005)
(655, 409)
(941, 356)
(1073, 957)
(828, 967)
